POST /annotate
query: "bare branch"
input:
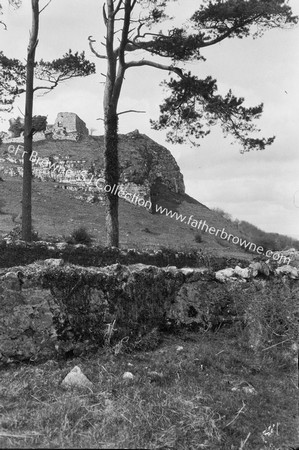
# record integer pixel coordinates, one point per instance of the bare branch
(145, 62)
(117, 8)
(2, 23)
(138, 31)
(45, 88)
(45, 6)
(21, 112)
(133, 4)
(105, 14)
(131, 110)
(98, 55)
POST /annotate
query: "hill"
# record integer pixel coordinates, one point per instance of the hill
(147, 169)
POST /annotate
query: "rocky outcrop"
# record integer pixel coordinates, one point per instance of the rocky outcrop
(51, 309)
(146, 167)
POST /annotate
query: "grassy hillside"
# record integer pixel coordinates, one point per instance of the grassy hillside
(57, 212)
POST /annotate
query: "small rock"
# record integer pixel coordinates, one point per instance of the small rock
(155, 376)
(76, 378)
(259, 268)
(54, 262)
(61, 245)
(179, 348)
(243, 273)
(128, 376)
(224, 274)
(288, 270)
(245, 387)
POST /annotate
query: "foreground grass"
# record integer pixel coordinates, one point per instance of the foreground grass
(210, 394)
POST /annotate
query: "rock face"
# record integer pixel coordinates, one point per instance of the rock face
(47, 310)
(145, 166)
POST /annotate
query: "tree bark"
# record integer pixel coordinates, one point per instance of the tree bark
(28, 132)
(114, 80)
(111, 175)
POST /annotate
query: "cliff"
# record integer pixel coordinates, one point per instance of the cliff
(145, 166)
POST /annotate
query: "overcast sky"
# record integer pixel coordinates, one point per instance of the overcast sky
(259, 187)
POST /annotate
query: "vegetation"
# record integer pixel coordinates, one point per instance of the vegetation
(269, 241)
(39, 123)
(80, 236)
(193, 104)
(17, 78)
(198, 238)
(210, 394)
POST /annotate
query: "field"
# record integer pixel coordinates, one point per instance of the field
(193, 391)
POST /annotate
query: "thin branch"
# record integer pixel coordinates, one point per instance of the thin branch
(145, 62)
(133, 4)
(98, 55)
(45, 6)
(45, 88)
(131, 110)
(138, 31)
(104, 14)
(227, 33)
(117, 8)
(21, 111)
(237, 415)
(2, 23)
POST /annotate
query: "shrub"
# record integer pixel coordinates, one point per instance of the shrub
(198, 238)
(80, 236)
(16, 234)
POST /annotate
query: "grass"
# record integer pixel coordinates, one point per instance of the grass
(188, 399)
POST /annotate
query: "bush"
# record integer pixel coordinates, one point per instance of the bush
(198, 238)
(16, 234)
(80, 236)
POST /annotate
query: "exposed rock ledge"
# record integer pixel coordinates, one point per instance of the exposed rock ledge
(49, 308)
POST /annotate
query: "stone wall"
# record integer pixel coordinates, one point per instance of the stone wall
(50, 309)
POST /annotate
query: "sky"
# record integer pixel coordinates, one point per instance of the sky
(259, 187)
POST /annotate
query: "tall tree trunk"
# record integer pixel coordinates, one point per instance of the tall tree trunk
(111, 177)
(28, 132)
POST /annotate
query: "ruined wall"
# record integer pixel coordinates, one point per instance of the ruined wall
(68, 126)
(50, 309)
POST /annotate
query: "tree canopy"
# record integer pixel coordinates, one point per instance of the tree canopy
(138, 27)
(50, 73)
(193, 105)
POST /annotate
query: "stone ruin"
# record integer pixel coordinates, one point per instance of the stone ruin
(67, 126)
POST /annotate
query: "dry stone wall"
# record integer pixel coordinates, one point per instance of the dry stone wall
(50, 309)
